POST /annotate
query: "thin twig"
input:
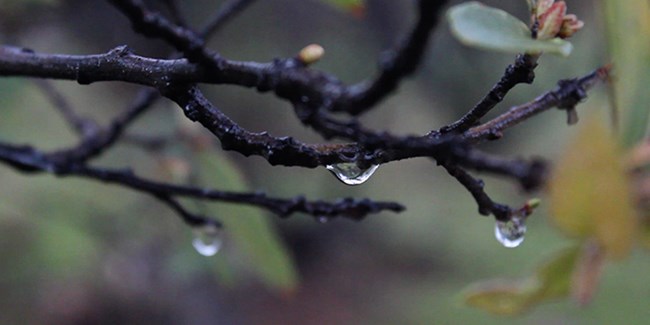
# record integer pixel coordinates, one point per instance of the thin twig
(566, 96)
(522, 71)
(225, 13)
(175, 12)
(79, 124)
(396, 63)
(475, 186)
(28, 159)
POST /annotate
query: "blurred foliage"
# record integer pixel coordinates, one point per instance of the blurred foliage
(512, 297)
(628, 32)
(590, 192)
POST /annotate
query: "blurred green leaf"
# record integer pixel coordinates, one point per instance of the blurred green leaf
(505, 298)
(555, 275)
(552, 280)
(66, 249)
(248, 229)
(628, 32)
(589, 191)
(478, 25)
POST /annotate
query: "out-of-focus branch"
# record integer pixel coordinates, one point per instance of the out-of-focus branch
(82, 126)
(28, 159)
(530, 174)
(395, 63)
(225, 13)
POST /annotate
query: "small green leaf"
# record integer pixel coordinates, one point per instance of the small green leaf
(247, 228)
(475, 24)
(552, 280)
(554, 277)
(505, 298)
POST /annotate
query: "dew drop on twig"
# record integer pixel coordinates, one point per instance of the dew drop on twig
(510, 233)
(207, 240)
(350, 173)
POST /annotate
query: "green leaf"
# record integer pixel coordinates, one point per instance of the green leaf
(552, 280)
(247, 228)
(628, 32)
(501, 297)
(475, 24)
(589, 191)
(554, 276)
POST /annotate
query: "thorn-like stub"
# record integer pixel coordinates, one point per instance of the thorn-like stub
(572, 116)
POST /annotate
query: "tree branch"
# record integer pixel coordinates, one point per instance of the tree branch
(522, 71)
(395, 64)
(28, 159)
(566, 96)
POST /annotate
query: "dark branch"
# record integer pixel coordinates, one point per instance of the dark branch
(522, 71)
(153, 24)
(566, 96)
(395, 64)
(175, 12)
(278, 151)
(314, 95)
(529, 174)
(475, 186)
(28, 159)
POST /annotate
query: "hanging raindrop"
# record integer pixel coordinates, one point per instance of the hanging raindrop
(350, 173)
(510, 233)
(207, 240)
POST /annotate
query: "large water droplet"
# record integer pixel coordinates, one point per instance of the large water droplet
(207, 240)
(350, 173)
(511, 233)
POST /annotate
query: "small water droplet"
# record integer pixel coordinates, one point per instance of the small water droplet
(323, 219)
(207, 240)
(350, 173)
(511, 233)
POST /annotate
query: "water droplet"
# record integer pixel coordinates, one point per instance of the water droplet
(207, 240)
(323, 219)
(511, 233)
(350, 173)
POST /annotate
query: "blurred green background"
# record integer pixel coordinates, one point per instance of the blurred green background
(77, 252)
